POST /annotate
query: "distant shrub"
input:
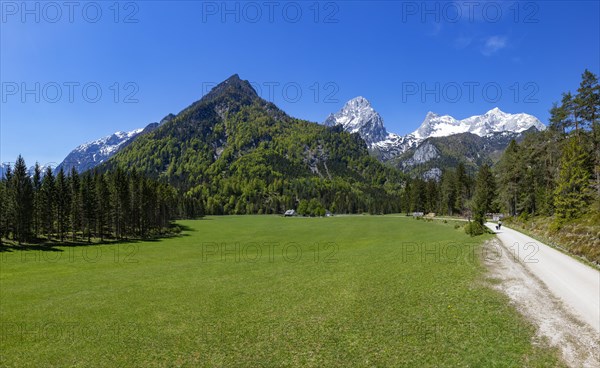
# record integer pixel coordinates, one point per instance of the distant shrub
(474, 228)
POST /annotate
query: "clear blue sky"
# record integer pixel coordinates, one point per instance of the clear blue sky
(388, 52)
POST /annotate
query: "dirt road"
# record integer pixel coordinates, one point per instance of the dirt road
(574, 283)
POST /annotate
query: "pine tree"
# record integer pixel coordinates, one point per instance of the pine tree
(588, 106)
(448, 192)
(558, 118)
(572, 192)
(89, 205)
(587, 101)
(37, 205)
(48, 202)
(510, 176)
(461, 187)
(485, 194)
(63, 204)
(135, 201)
(104, 208)
(23, 201)
(3, 208)
(120, 202)
(75, 187)
(8, 225)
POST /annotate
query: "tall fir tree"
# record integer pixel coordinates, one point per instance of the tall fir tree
(485, 194)
(509, 171)
(63, 204)
(76, 205)
(48, 202)
(8, 225)
(103, 212)
(573, 190)
(23, 201)
(89, 205)
(3, 207)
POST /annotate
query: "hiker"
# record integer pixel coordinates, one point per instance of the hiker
(499, 224)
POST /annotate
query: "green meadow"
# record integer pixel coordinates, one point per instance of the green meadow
(265, 291)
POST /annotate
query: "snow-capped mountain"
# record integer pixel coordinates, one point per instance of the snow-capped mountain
(358, 116)
(493, 121)
(91, 154)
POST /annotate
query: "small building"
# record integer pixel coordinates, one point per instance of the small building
(290, 213)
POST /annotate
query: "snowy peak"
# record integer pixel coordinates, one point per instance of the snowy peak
(358, 116)
(92, 154)
(493, 121)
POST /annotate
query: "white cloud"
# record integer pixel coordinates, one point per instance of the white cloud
(493, 44)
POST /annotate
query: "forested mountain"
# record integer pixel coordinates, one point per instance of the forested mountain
(234, 153)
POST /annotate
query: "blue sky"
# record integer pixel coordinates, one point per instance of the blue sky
(74, 73)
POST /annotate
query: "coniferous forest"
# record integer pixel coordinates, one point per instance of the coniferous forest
(79, 207)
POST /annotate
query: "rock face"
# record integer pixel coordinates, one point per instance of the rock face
(424, 153)
(493, 131)
(357, 116)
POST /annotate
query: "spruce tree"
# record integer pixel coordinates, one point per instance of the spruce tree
(573, 191)
(89, 205)
(75, 187)
(103, 210)
(461, 187)
(485, 194)
(588, 105)
(3, 207)
(8, 226)
(63, 204)
(23, 201)
(510, 176)
(37, 200)
(48, 202)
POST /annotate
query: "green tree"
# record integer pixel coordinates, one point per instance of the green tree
(37, 200)
(3, 208)
(588, 107)
(7, 219)
(103, 209)
(89, 205)
(23, 201)
(485, 194)
(63, 204)
(509, 170)
(76, 205)
(572, 193)
(48, 201)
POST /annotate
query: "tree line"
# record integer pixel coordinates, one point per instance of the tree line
(79, 207)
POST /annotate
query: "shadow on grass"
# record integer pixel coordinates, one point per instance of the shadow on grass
(51, 246)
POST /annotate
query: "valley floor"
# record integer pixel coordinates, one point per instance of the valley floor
(239, 291)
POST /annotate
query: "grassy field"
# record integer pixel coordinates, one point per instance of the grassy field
(265, 291)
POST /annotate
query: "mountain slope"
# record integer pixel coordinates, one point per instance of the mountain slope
(431, 156)
(241, 154)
